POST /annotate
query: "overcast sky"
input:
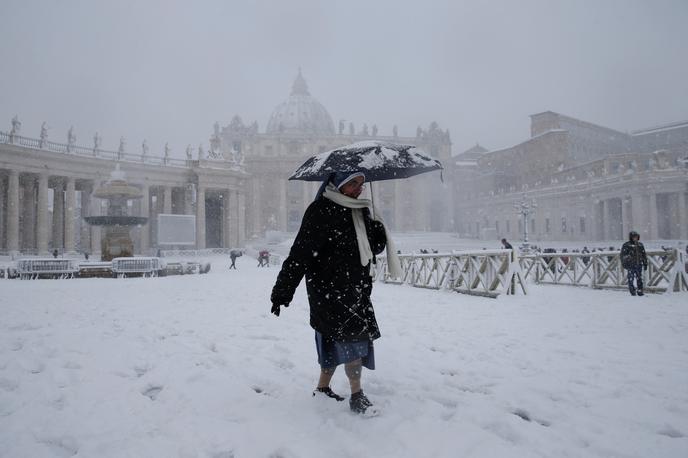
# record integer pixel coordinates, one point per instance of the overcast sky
(167, 70)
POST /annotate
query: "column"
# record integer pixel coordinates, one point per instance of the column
(70, 204)
(241, 233)
(28, 215)
(58, 215)
(85, 243)
(167, 200)
(227, 220)
(13, 211)
(605, 219)
(95, 210)
(626, 216)
(638, 216)
(42, 216)
(653, 218)
(145, 212)
(282, 221)
(200, 218)
(682, 215)
(398, 206)
(307, 198)
(234, 218)
(256, 210)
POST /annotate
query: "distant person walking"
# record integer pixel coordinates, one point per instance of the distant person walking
(634, 260)
(233, 254)
(264, 258)
(507, 245)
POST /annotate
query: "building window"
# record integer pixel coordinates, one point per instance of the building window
(508, 228)
(582, 225)
(532, 225)
(268, 150)
(520, 226)
(563, 225)
(548, 227)
(497, 227)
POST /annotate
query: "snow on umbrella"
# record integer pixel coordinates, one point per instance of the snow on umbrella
(378, 160)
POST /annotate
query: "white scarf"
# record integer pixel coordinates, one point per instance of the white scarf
(357, 206)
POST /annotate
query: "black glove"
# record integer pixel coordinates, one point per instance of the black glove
(276, 308)
(645, 267)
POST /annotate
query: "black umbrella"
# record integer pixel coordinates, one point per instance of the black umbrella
(378, 160)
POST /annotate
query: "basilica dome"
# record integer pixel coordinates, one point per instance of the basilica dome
(300, 114)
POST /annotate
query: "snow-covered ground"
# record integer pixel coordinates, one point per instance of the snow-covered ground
(196, 366)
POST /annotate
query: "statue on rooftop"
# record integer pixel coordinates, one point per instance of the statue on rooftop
(71, 138)
(120, 150)
(44, 134)
(96, 143)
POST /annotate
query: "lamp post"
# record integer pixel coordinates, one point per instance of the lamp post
(525, 208)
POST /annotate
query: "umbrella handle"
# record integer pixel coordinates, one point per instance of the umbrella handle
(372, 201)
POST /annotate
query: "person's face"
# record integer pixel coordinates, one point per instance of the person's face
(636, 238)
(353, 187)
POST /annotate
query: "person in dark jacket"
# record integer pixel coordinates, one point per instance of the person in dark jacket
(506, 245)
(633, 259)
(233, 254)
(335, 250)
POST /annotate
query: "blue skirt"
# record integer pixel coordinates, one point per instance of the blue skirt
(332, 354)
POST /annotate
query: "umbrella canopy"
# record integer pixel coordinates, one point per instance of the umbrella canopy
(378, 160)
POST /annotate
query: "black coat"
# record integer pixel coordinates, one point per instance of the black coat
(633, 255)
(326, 252)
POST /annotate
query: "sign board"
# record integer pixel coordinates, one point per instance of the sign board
(176, 229)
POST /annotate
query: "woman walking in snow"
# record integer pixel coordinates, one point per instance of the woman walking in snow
(335, 250)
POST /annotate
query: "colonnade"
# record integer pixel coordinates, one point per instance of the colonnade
(41, 212)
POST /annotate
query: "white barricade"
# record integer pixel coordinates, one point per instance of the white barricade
(148, 267)
(483, 273)
(603, 269)
(33, 268)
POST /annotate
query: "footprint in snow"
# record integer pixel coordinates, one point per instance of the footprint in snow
(65, 446)
(670, 431)
(152, 392)
(525, 416)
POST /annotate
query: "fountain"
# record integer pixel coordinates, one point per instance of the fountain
(116, 242)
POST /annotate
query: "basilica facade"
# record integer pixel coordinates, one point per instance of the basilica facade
(300, 127)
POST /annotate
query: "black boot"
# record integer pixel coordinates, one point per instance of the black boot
(326, 391)
(359, 403)
(632, 292)
(640, 292)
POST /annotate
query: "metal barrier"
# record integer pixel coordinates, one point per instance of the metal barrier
(666, 270)
(482, 273)
(33, 268)
(147, 267)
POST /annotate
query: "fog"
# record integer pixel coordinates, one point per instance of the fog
(165, 71)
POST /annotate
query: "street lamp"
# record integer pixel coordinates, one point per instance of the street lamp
(525, 208)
